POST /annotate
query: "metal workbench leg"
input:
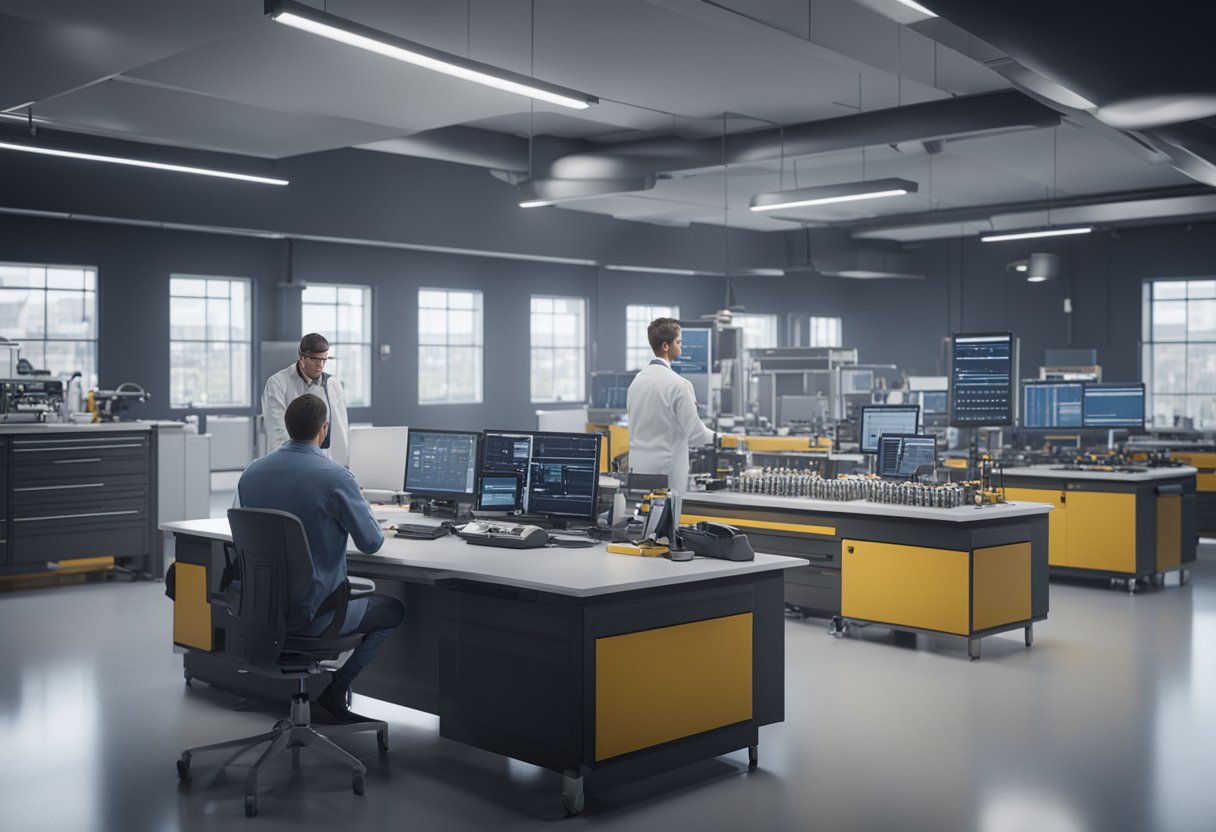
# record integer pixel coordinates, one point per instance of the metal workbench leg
(1029, 634)
(753, 757)
(572, 793)
(973, 648)
(1184, 575)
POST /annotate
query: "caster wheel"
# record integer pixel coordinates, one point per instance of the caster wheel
(753, 758)
(1131, 586)
(1029, 636)
(183, 768)
(382, 741)
(573, 804)
(251, 807)
(837, 626)
(357, 784)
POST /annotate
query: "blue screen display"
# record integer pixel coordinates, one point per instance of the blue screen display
(694, 352)
(1052, 405)
(1113, 406)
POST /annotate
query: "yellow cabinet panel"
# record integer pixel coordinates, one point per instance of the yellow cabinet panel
(1001, 585)
(910, 586)
(191, 608)
(1057, 520)
(1101, 531)
(659, 685)
(1169, 531)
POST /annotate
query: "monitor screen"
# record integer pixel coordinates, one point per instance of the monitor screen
(506, 452)
(498, 492)
(877, 419)
(1051, 404)
(441, 464)
(901, 455)
(857, 381)
(1113, 406)
(933, 402)
(564, 478)
(981, 380)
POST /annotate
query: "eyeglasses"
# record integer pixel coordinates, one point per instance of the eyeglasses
(315, 359)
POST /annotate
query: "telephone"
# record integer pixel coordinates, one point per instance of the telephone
(717, 540)
(506, 535)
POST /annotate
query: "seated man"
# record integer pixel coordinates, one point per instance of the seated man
(299, 479)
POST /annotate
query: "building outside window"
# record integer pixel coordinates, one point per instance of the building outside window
(451, 346)
(759, 331)
(826, 332)
(1178, 363)
(52, 312)
(559, 349)
(343, 314)
(637, 318)
(210, 341)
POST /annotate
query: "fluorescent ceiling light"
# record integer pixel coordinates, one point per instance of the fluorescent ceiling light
(912, 4)
(308, 19)
(1030, 235)
(827, 194)
(1020, 267)
(652, 269)
(140, 163)
(534, 203)
(1037, 278)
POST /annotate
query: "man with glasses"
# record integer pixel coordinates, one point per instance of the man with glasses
(307, 375)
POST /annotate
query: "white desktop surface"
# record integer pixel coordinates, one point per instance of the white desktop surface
(962, 514)
(1050, 472)
(575, 572)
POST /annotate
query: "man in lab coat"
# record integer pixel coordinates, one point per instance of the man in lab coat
(307, 375)
(663, 420)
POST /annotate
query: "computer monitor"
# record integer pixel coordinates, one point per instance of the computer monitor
(877, 419)
(856, 381)
(1051, 404)
(507, 452)
(981, 380)
(442, 464)
(563, 475)
(901, 455)
(377, 457)
(497, 491)
(933, 402)
(1108, 406)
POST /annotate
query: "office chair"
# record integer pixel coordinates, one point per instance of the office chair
(276, 567)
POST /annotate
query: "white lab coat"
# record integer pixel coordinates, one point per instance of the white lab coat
(663, 424)
(287, 385)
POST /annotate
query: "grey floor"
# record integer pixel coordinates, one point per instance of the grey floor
(1108, 723)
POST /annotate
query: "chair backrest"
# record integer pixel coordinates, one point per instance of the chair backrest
(276, 571)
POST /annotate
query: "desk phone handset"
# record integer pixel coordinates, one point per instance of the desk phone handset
(506, 535)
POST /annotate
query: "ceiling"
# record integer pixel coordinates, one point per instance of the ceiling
(673, 74)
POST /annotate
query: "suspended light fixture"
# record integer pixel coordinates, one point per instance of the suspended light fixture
(1033, 234)
(828, 194)
(140, 163)
(615, 267)
(308, 19)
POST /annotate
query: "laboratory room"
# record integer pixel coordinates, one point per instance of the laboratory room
(632, 415)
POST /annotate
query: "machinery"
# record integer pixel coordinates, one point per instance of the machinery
(112, 405)
(30, 399)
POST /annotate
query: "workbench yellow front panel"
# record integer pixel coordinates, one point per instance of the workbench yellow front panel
(910, 586)
(1000, 585)
(1169, 531)
(191, 608)
(1101, 531)
(1057, 520)
(659, 685)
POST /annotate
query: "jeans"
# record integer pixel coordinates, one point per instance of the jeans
(381, 616)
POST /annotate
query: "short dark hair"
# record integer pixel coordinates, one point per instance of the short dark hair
(662, 330)
(314, 342)
(304, 417)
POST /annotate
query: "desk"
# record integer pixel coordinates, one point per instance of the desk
(970, 572)
(606, 668)
(1111, 524)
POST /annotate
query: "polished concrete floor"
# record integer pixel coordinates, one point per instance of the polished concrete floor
(1108, 723)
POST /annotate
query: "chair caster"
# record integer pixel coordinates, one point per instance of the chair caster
(357, 784)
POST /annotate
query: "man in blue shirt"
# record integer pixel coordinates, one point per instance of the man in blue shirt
(299, 479)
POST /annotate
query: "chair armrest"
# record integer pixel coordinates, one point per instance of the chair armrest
(361, 586)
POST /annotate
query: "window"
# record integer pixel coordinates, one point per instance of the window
(759, 331)
(559, 349)
(637, 318)
(826, 332)
(210, 341)
(450, 346)
(1179, 359)
(52, 312)
(343, 314)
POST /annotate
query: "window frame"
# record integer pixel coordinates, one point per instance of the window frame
(335, 345)
(813, 326)
(229, 406)
(447, 345)
(87, 381)
(582, 348)
(1149, 344)
(776, 321)
(631, 349)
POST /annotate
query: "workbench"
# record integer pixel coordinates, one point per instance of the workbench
(1125, 526)
(967, 571)
(606, 668)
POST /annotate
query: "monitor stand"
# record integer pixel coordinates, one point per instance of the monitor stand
(438, 508)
